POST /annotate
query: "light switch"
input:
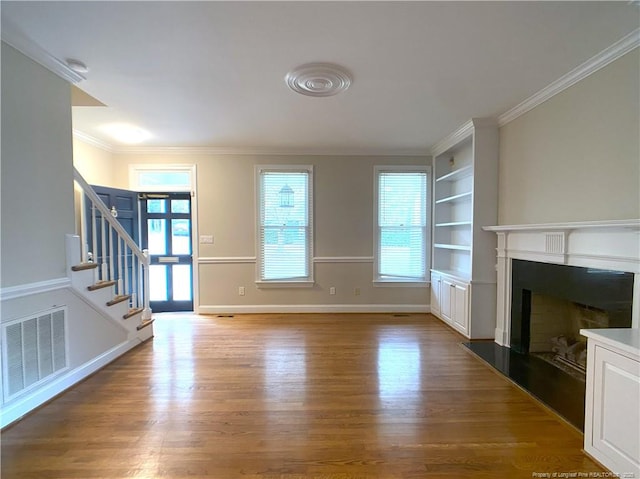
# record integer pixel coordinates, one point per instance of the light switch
(206, 239)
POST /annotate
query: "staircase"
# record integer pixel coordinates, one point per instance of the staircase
(107, 269)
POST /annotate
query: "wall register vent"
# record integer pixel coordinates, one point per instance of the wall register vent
(554, 243)
(35, 350)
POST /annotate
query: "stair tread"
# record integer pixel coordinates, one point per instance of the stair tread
(84, 266)
(100, 285)
(144, 324)
(132, 312)
(118, 299)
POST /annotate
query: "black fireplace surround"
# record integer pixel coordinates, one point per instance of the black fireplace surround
(610, 291)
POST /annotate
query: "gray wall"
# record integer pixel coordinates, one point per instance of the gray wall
(343, 227)
(576, 157)
(37, 177)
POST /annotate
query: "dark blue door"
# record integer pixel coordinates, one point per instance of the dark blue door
(123, 204)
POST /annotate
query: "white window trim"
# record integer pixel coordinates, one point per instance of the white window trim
(400, 282)
(135, 170)
(288, 283)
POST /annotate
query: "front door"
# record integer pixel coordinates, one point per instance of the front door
(166, 233)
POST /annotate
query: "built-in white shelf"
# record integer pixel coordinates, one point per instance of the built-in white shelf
(455, 198)
(458, 247)
(455, 175)
(465, 166)
(453, 224)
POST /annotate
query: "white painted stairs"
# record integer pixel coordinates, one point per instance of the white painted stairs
(102, 296)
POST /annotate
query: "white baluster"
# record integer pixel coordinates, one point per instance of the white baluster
(134, 280)
(111, 251)
(126, 270)
(94, 233)
(105, 271)
(121, 248)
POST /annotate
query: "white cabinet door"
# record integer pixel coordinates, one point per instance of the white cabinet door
(460, 316)
(612, 435)
(446, 297)
(436, 287)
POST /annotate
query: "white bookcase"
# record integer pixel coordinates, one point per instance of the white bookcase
(465, 198)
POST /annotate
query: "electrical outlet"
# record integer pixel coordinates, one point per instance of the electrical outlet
(332, 290)
(356, 291)
(241, 290)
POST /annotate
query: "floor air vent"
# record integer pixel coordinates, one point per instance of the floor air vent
(36, 348)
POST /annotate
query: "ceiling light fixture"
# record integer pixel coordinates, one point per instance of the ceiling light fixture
(318, 79)
(125, 133)
(77, 66)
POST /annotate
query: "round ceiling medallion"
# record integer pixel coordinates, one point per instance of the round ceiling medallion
(318, 79)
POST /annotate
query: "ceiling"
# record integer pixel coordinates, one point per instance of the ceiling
(211, 74)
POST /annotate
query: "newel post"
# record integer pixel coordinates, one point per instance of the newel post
(146, 312)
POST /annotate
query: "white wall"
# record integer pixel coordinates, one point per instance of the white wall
(343, 228)
(37, 178)
(576, 157)
(94, 164)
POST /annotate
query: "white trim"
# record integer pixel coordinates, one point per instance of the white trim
(285, 284)
(632, 224)
(602, 59)
(400, 284)
(19, 407)
(226, 259)
(315, 308)
(267, 151)
(253, 259)
(561, 258)
(12, 292)
(310, 238)
(91, 140)
(343, 259)
(453, 139)
(134, 169)
(12, 35)
(610, 245)
(378, 170)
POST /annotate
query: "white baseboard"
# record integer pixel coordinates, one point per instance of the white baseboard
(21, 406)
(314, 308)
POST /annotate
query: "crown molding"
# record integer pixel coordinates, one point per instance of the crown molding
(453, 138)
(602, 59)
(252, 151)
(90, 140)
(266, 151)
(13, 36)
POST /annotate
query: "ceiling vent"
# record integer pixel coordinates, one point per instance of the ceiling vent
(318, 79)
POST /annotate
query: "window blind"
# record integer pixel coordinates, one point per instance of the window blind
(402, 225)
(284, 226)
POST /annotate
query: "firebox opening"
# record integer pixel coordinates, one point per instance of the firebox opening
(555, 325)
(551, 303)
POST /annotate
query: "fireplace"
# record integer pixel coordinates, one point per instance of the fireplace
(550, 303)
(553, 280)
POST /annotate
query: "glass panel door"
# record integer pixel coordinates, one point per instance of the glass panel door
(166, 233)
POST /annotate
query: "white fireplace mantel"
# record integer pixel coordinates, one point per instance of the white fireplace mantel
(612, 245)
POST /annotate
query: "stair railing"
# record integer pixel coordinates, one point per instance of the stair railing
(121, 260)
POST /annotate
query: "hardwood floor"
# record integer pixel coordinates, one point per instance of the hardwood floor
(346, 396)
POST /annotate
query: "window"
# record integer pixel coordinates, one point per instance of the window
(284, 226)
(401, 218)
(162, 178)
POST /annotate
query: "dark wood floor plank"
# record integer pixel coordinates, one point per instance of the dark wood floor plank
(294, 396)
